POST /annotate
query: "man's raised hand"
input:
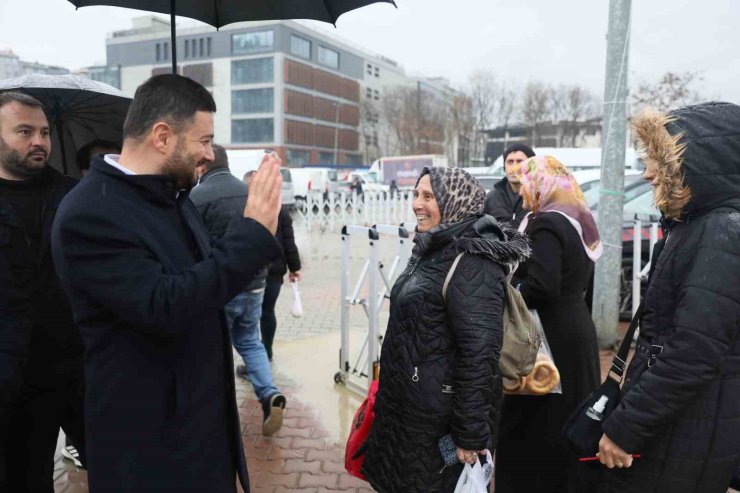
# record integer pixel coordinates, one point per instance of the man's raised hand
(263, 201)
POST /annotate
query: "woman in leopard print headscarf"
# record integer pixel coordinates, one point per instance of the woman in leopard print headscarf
(439, 363)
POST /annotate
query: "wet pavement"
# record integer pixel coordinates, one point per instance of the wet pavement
(307, 454)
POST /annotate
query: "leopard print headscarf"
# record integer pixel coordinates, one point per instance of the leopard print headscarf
(459, 195)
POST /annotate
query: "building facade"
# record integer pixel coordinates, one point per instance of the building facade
(12, 66)
(277, 84)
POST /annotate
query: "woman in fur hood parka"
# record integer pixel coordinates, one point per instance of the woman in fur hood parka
(680, 407)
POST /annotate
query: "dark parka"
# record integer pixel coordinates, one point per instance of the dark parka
(290, 259)
(504, 204)
(147, 290)
(219, 197)
(452, 345)
(682, 414)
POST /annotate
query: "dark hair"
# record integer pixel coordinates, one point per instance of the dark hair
(169, 98)
(220, 159)
(518, 148)
(83, 153)
(19, 97)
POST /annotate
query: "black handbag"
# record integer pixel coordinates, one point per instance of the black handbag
(582, 431)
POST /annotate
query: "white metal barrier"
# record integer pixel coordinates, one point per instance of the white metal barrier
(378, 280)
(330, 213)
(639, 272)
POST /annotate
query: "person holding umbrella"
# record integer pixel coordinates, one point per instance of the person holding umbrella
(41, 378)
(148, 288)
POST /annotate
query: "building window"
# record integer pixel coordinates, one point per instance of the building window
(252, 71)
(376, 94)
(252, 101)
(326, 158)
(201, 52)
(254, 42)
(328, 57)
(369, 69)
(353, 159)
(298, 158)
(377, 71)
(159, 55)
(368, 93)
(166, 51)
(187, 49)
(300, 47)
(252, 131)
(208, 46)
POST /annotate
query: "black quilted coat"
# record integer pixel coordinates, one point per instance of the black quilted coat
(452, 346)
(682, 414)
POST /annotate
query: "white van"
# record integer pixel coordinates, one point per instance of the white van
(243, 160)
(305, 180)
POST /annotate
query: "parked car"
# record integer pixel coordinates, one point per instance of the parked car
(242, 161)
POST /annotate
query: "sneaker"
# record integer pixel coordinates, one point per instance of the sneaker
(273, 409)
(70, 453)
(241, 371)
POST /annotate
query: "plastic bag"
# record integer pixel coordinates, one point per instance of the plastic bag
(297, 309)
(475, 478)
(544, 378)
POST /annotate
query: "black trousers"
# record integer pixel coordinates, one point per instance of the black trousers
(34, 428)
(268, 322)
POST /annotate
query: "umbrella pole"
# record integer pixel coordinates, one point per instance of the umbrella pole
(173, 35)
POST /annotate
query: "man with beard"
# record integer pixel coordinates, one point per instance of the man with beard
(41, 383)
(148, 289)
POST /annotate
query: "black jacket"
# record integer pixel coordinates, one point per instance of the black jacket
(452, 346)
(148, 290)
(35, 317)
(220, 197)
(683, 412)
(504, 204)
(289, 260)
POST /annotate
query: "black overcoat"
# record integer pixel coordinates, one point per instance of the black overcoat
(531, 457)
(452, 345)
(682, 414)
(147, 289)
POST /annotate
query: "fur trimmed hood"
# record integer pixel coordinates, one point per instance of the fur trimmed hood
(696, 153)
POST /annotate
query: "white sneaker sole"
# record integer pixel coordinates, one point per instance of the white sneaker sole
(273, 422)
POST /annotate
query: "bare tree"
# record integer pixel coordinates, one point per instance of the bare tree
(482, 93)
(460, 129)
(416, 120)
(570, 106)
(536, 108)
(672, 90)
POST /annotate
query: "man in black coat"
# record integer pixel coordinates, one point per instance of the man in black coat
(680, 408)
(220, 197)
(41, 383)
(503, 201)
(148, 288)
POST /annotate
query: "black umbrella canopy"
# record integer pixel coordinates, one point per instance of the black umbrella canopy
(219, 13)
(79, 112)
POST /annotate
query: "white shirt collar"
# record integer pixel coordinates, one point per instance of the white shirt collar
(112, 159)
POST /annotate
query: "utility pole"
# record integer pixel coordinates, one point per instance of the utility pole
(614, 142)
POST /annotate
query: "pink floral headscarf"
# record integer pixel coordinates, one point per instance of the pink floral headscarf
(548, 186)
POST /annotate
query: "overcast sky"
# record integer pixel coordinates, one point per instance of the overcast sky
(560, 41)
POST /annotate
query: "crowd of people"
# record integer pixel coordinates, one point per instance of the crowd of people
(121, 297)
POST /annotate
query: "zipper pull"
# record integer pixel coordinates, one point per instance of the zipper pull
(415, 377)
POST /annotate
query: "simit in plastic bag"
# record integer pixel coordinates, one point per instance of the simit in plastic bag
(544, 378)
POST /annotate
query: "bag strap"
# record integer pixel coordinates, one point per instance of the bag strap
(619, 363)
(449, 275)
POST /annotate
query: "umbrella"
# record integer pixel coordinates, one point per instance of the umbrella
(79, 112)
(219, 13)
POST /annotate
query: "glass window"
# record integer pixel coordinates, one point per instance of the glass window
(287, 177)
(298, 158)
(159, 55)
(252, 101)
(354, 159)
(642, 205)
(328, 57)
(326, 158)
(252, 131)
(201, 52)
(254, 42)
(166, 51)
(208, 49)
(252, 71)
(187, 49)
(300, 46)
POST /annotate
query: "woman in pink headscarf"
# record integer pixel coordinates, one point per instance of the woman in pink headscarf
(565, 244)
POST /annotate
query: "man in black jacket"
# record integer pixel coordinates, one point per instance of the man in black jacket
(148, 288)
(41, 383)
(220, 197)
(504, 202)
